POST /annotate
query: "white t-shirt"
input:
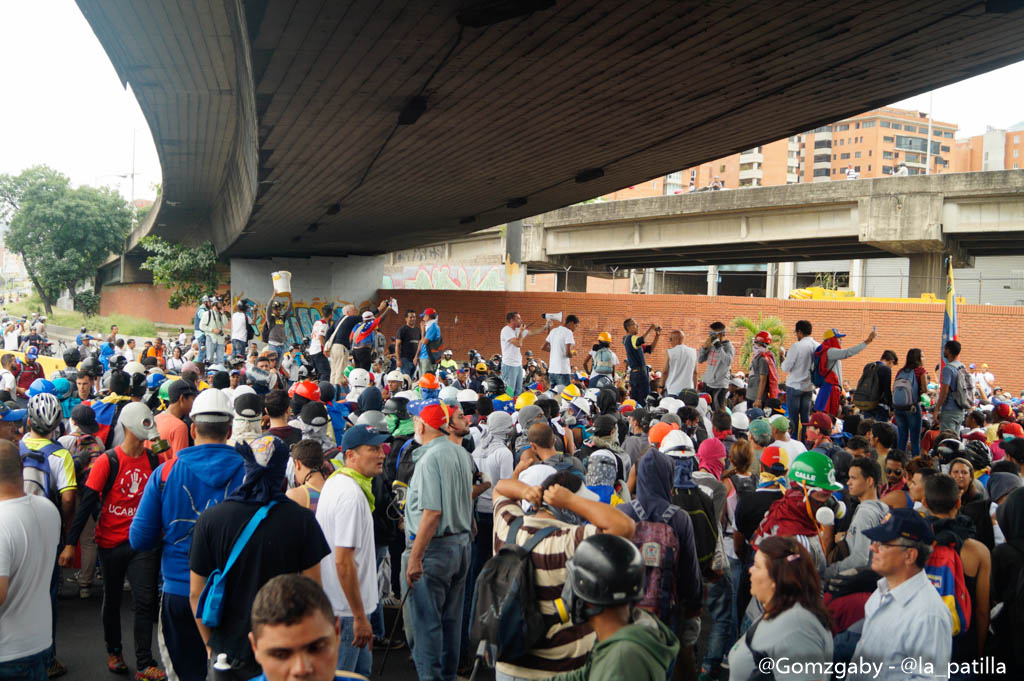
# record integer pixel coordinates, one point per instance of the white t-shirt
(510, 354)
(238, 326)
(558, 338)
(319, 329)
(494, 465)
(682, 360)
(7, 381)
(29, 532)
(11, 340)
(792, 447)
(344, 516)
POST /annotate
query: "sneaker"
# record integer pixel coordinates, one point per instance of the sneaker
(115, 663)
(151, 673)
(381, 643)
(391, 602)
(84, 592)
(56, 668)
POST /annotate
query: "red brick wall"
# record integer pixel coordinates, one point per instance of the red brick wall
(145, 301)
(989, 333)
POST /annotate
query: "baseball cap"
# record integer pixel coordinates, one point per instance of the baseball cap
(248, 405)
(82, 414)
(480, 366)
(1003, 410)
(754, 413)
(821, 421)
(367, 316)
(902, 523)
(972, 366)
(361, 434)
(833, 333)
(314, 414)
(760, 428)
(772, 456)
(538, 473)
(432, 412)
(33, 352)
(429, 311)
(17, 415)
(780, 423)
(180, 388)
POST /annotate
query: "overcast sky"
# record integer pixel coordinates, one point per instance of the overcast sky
(63, 105)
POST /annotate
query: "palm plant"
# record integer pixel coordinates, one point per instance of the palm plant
(751, 328)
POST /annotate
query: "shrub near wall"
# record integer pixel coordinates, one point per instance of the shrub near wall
(989, 333)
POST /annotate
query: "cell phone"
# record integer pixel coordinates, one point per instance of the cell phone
(874, 329)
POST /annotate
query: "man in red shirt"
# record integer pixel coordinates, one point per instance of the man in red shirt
(171, 422)
(114, 489)
(30, 371)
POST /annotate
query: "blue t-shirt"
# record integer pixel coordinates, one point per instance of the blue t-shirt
(949, 376)
(433, 333)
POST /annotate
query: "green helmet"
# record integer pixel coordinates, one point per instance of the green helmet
(162, 391)
(815, 470)
(348, 370)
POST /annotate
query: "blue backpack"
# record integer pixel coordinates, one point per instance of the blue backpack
(36, 470)
(211, 601)
(817, 378)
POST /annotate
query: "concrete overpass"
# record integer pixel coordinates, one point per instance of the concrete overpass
(312, 127)
(921, 217)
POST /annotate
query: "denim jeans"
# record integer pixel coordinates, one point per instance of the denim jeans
(28, 668)
(718, 397)
(215, 353)
(201, 339)
(279, 349)
(408, 367)
(350, 658)
(719, 604)
(639, 385)
(141, 568)
(951, 420)
(513, 377)
(377, 616)
(238, 347)
(480, 551)
(798, 409)
(321, 365)
(738, 571)
(556, 379)
(908, 427)
(433, 609)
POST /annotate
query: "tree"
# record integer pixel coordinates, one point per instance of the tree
(751, 328)
(189, 271)
(62, 234)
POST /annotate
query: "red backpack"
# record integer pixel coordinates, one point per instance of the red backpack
(946, 573)
(659, 549)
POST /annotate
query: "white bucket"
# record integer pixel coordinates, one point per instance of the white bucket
(282, 282)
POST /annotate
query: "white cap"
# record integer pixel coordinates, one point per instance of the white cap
(737, 383)
(359, 378)
(670, 404)
(137, 418)
(134, 368)
(467, 395)
(211, 406)
(535, 475)
(449, 395)
(367, 316)
(395, 375)
(677, 444)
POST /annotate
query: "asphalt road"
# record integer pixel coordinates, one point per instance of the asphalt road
(80, 643)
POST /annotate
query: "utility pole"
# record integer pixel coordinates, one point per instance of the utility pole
(928, 144)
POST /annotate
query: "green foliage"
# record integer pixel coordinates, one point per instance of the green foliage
(751, 328)
(62, 234)
(131, 326)
(190, 272)
(88, 303)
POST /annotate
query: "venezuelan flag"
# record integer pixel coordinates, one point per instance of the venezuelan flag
(105, 413)
(949, 323)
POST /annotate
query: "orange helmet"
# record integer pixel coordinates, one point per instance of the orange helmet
(307, 389)
(429, 382)
(658, 432)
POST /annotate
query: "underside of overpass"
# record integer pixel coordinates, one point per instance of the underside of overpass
(302, 127)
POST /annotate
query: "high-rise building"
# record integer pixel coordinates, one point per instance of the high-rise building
(997, 149)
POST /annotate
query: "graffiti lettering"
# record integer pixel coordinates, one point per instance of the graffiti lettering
(447, 277)
(304, 314)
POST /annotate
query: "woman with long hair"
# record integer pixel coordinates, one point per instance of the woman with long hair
(795, 625)
(908, 421)
(175, 361)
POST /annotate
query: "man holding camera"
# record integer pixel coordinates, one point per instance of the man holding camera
(718, 353)
(636, 348)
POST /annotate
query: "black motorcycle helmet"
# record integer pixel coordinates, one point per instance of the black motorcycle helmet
(118, 362)
(91, 367)
(138, 385)
(978, 453)
(72, 357)
(493, 385)
(605, 571)
(949, 449)
(326, 391)
(396, 406)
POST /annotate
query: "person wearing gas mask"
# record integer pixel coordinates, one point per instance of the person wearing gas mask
(535, 499)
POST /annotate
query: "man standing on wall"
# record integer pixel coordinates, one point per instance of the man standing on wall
(317, 338)
(718, 353)
(342, 345)
(512, 336)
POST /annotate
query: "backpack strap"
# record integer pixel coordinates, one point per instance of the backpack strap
(538, 536)
(641, 514)
(748, 638)
(246, 535)
(165, 472)
(115, 465)
(669, 513)
(513, 529)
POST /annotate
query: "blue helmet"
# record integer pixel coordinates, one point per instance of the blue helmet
(41, 385)
(62, 388)
(153, 381)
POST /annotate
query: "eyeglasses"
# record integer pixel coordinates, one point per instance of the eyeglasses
(891, 546)
(893, 471)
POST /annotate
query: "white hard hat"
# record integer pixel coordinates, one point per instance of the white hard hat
(137, 418)
(740, 421)
(678, 444)
(395, 375)
(449, 395)
(670, 404)
(134, 368)
(582, 404)
(211, 406)
(359, 378)
(407, 394)
(467, 395)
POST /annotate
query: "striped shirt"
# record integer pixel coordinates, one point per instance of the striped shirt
(565, 647)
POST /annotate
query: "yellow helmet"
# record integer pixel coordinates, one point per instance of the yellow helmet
(604, 337)
(525, 399)
(570, 392)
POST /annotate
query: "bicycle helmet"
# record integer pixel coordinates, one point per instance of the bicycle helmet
(978, 453)
(118, 362)
(44, 412)
(949, 449)
(40, 386)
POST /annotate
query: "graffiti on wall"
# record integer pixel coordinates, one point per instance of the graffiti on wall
(304, 314)
(447, 277)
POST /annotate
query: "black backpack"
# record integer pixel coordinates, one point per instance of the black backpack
(115, 466)
(868, 392)
(507, 614)
(701, 510)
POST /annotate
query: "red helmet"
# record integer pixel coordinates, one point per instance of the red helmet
(307, 389)
(429, 382)
(763, 337)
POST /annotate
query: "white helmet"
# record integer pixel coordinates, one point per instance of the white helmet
(138, 419)
(740, 421)
(467, 395)
(211, 406)
(449, 395)
(678, 444)
(591, 394)
(581, 404)
(670, 404)
(134, 368)
(407, 394)
(375, 419)
(359, 378)
(44, 412)
(395, 375)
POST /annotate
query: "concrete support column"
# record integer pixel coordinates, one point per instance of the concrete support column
(515, 277)
(713, 280)
(857, 276)
(787, 279)
(771, 280)
(927, 275)
(571, 281)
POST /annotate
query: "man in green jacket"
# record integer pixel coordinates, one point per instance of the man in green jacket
(606, 576)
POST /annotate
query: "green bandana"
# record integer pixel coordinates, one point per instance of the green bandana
(400, 428)
(364, 482)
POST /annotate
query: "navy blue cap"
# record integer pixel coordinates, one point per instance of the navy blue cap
(361, 434)
(902, 523)
(13, 415)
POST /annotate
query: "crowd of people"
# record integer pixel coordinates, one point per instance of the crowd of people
(583, 517)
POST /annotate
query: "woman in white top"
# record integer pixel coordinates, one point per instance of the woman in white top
(175, 362)
(795, 628)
